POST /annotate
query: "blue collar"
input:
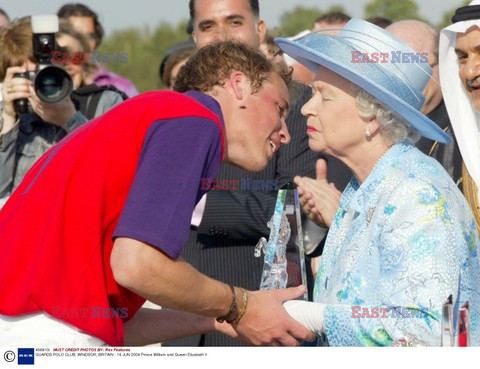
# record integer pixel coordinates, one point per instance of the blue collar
(361, 197)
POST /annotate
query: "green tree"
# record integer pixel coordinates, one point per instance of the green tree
(298, 19)
(337, 8)
(145, 51)
(394, 10)
(447, 16)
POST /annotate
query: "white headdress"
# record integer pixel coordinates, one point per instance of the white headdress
(464, 119)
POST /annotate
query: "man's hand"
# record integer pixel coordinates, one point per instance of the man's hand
(319, 199)
(58, 113)
(226, 329)
(266, 322)
(175, 284)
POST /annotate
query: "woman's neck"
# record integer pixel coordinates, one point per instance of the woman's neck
(362, 160)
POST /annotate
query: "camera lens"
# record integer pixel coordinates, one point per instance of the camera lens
(53, 84)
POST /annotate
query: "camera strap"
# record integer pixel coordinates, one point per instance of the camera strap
(86, 98)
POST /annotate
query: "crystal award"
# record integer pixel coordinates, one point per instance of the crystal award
(284, 262)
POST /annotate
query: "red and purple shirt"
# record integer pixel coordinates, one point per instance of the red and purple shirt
(133, 172)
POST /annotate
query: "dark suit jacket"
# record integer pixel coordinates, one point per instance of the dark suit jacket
(234, 221)
(446, 154)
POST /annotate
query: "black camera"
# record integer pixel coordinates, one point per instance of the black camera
(50, 82)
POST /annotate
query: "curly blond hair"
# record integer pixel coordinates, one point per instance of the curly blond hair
(211, 65)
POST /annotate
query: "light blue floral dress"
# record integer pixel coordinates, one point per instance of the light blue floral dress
(404, 240)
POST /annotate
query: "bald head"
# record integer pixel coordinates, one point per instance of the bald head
(420, 36)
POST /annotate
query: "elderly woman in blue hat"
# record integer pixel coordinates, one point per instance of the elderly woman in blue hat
(402, 238)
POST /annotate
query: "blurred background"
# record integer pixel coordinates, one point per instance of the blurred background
(146, 29)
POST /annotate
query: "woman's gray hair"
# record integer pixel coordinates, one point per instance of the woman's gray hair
(392, 126)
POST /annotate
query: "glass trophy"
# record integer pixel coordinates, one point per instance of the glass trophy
(284, 263)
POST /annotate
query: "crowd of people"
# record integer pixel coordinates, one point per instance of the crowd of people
(104, 207)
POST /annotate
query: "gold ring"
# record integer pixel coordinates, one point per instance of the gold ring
(10, 90)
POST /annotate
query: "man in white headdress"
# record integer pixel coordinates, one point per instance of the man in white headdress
(459, 57)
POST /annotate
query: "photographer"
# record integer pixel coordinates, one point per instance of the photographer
(26, 137)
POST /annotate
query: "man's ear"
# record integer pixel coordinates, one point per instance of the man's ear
(239, 84)
(262, 30)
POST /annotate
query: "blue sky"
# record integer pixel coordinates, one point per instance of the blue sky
(118, 14)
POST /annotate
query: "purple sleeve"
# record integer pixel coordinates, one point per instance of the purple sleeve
(176, 155)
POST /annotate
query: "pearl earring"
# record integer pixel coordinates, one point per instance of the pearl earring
(368, 133)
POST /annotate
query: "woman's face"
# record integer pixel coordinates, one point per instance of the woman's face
(333, 123)
(74, 47)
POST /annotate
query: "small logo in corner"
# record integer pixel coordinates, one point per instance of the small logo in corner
(26, 356)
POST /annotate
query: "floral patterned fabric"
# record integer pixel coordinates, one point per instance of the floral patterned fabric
(403, 241)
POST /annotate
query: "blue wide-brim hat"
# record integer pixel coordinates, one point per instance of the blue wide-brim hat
(398, 82)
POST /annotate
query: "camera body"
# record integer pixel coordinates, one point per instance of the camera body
(50, 82)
